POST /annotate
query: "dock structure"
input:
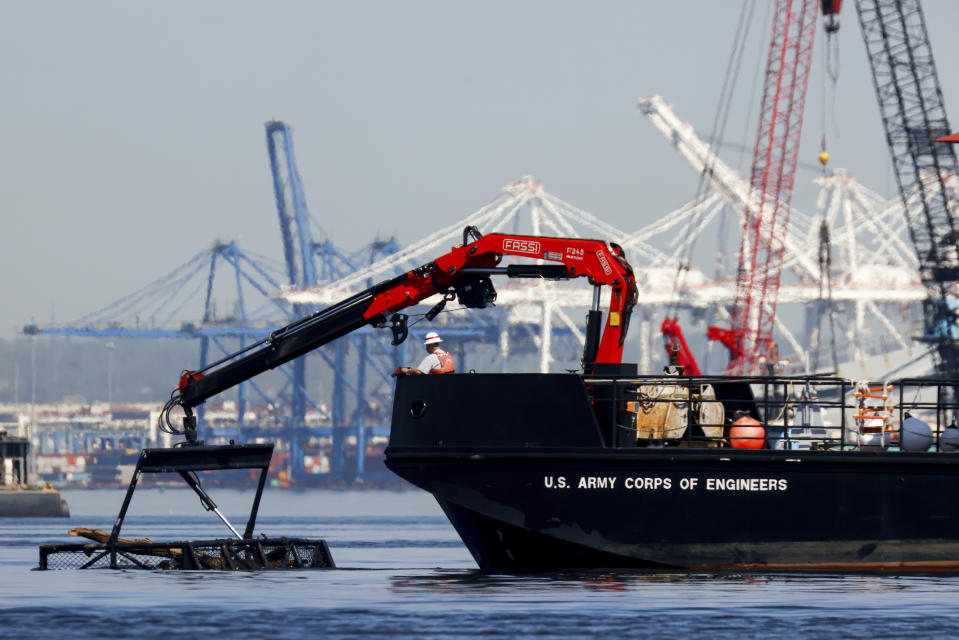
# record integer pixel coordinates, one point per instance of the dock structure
(13, 461)
(20, 496)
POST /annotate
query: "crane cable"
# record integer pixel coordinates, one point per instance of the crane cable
(830, 65)
(825, 298)
(719, 126)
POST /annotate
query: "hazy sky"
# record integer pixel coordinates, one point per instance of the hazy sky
(132, 132)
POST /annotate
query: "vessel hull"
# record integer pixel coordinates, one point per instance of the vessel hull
(534, 510)
(532, 475)
(29, 503)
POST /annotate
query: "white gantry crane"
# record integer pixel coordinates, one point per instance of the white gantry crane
(867, 286)
(533, 310)
(872, 272)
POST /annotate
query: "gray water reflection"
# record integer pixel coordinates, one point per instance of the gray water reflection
(404, 573)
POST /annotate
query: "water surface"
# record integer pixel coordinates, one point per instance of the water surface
(402, 572)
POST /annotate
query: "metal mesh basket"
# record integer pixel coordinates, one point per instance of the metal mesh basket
(215, 555)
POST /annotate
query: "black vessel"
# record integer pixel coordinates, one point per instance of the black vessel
(609, 468)
(558, 470)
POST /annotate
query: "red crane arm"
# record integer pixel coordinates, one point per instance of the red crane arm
(464, 271)
(602, 263)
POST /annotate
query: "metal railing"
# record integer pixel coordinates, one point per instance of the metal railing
(792, 412)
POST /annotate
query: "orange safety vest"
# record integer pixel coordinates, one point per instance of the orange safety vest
(446, 362)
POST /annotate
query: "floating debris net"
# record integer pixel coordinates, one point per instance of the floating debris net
(246, 552)
(216, 555)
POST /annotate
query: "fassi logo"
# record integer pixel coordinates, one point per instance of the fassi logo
(601, 256)
(522, 246)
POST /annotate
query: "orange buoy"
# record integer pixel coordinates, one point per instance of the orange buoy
(747, 433)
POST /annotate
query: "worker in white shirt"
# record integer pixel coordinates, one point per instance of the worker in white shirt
(437, 360)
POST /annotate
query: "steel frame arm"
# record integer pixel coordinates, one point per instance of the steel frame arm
(913, 114)
(734, 189)
(463, 270)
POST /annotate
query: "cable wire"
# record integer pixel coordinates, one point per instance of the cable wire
(717, 133)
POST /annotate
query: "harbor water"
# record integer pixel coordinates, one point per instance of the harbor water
(402, 572)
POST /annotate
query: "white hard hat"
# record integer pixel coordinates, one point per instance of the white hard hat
(432, 338)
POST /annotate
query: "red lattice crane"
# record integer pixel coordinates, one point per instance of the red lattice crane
(749, 337)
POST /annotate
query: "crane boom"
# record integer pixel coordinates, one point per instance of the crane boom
(913, 115)
(772, 179)
(463, 273)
